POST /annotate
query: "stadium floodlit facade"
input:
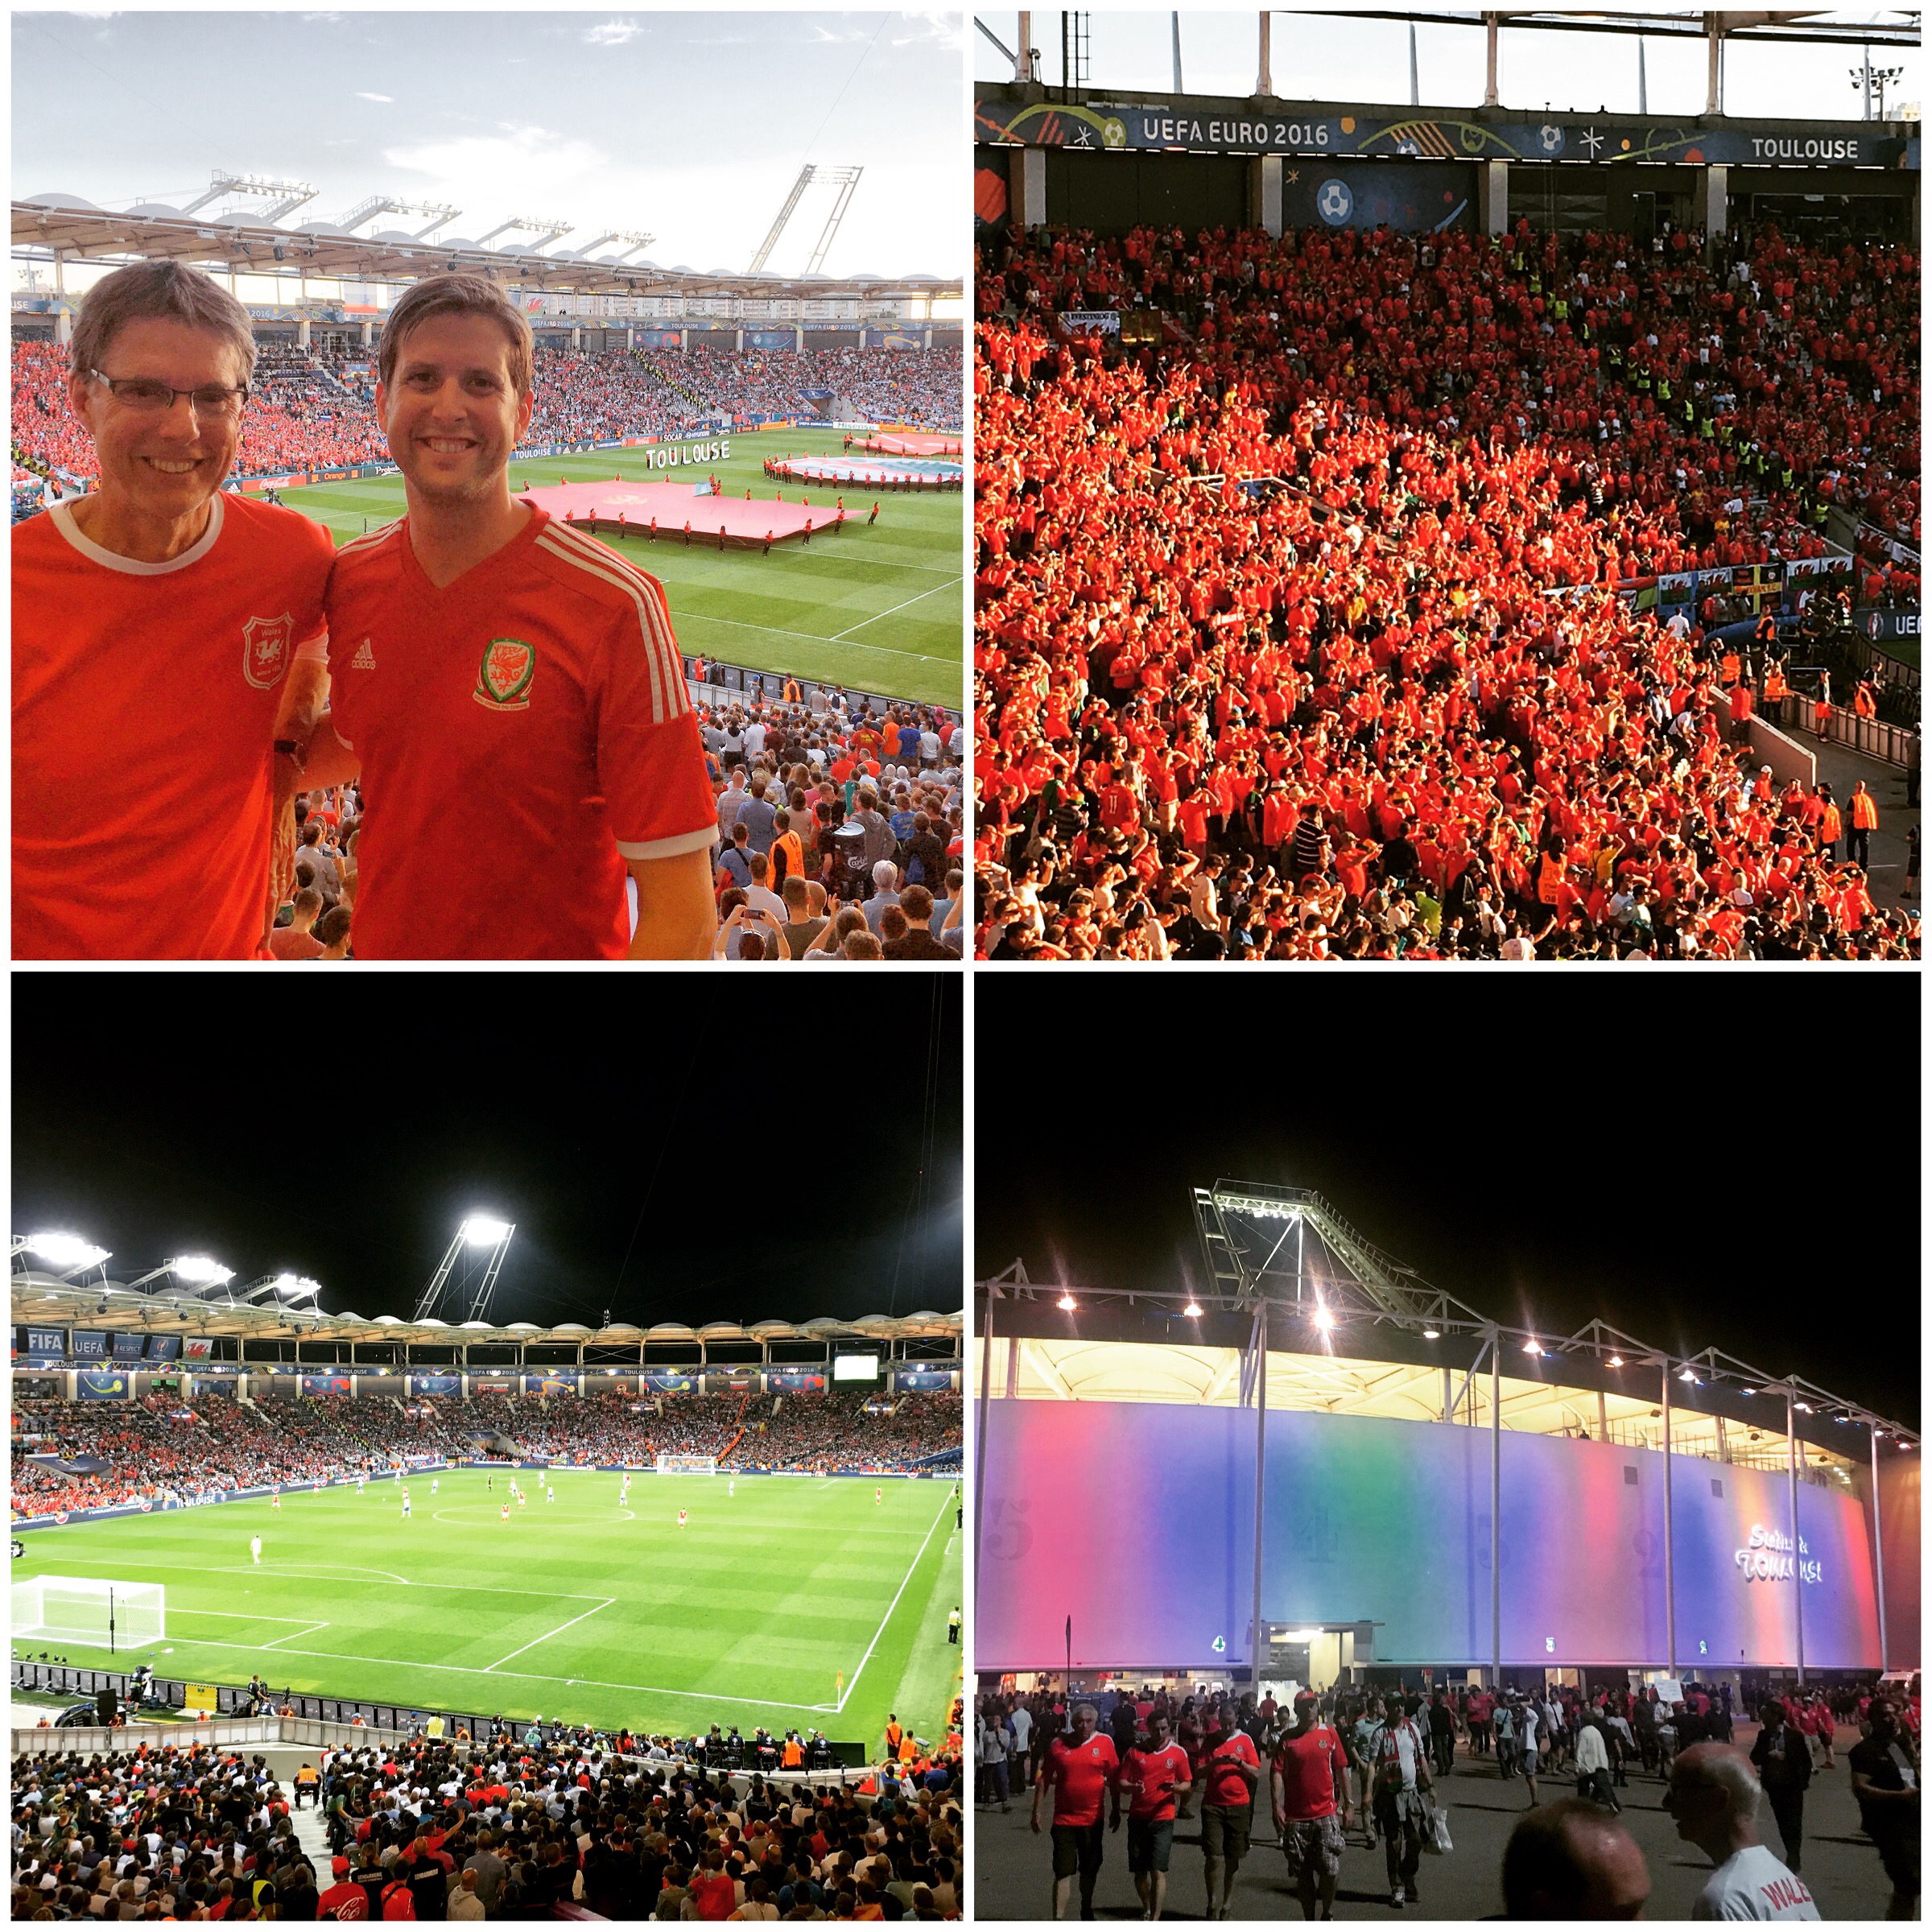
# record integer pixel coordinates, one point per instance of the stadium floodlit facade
(1319, 1447)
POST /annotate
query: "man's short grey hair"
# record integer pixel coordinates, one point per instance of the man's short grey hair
(884, 872)
(1734, 1777)
(1089, 1709)
(164, 291)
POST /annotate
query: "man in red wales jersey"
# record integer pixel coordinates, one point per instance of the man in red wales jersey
(1227, 1774)
(1311, 1784)
(166, 636)
(1080, 1769)
(1154, 1776)
(491, 654)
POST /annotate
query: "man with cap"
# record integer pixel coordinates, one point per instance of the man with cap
(1310, 1786)
(343, 1899)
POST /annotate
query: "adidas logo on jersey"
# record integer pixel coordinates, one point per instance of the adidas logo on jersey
(364, 659)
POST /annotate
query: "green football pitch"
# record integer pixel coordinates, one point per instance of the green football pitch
(879, 608)
(582, 1608)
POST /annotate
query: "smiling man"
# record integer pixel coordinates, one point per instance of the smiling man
(165, 637)
(495, 666)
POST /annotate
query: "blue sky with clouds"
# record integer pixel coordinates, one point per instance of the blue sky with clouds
(1318, 57)
(689, 127)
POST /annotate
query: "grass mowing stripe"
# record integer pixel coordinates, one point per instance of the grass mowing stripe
(870, 572)
(757, 1605)
(893, 1605)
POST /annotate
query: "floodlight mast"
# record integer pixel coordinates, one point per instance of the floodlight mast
(478, 1230)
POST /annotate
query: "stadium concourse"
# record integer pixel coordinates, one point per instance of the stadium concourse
(314, 410)
(1298, 634)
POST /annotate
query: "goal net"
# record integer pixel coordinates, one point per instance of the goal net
(687, 1465)
(79, 1609)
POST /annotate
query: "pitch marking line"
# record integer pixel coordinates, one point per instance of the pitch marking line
(891, 1607)
(581, 1596)
(548, 1634)
(249, 1616)
(275, 1642)
(701, 616)
(537, 1677)
(937, 590)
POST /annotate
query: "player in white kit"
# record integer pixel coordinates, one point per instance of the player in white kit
(255, 1545)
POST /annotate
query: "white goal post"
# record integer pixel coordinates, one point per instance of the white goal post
(687, 1465)
(79, 1609)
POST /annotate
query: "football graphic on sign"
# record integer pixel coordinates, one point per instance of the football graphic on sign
(1334, 202)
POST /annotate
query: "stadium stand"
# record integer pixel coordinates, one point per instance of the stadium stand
(1297, 631)
(156, 1447)
(832, 798)
(535, 1827)
(309, 411)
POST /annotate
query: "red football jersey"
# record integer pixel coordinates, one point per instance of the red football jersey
(522, 732)
(145, 697)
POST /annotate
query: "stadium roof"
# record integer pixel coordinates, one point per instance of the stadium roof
(1364, 1335)
(266, 1312)
(69, 226)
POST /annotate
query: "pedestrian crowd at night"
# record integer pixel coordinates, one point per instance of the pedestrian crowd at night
(525, 1823)
(1298, 634)
(1349, 1760)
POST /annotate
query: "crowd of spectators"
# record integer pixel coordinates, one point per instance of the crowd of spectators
(160, 1448)
(311, 411)
(840, 832)
(515, 1826)
(1296, 632)
(918, 387)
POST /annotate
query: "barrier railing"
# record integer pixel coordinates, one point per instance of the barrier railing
(1872, 737)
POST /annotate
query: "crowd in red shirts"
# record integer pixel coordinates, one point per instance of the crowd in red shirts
(1296, 632)
(311, 411)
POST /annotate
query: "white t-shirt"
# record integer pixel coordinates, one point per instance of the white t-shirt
(1752, 1884)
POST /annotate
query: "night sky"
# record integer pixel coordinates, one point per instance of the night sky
(705, 1146)
(1687, 1167)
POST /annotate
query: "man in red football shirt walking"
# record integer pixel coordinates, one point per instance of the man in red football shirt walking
(1310, 1782)
(166, 637)
(1154, 1776)
(1227, 1776)
(1080, 1769)
(490, 653)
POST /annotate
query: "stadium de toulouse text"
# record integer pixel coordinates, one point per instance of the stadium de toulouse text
(1762, 1565)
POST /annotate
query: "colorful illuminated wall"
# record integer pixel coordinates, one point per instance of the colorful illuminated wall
(1137, 1520)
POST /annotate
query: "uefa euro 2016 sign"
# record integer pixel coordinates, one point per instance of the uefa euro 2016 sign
(1768, 1559)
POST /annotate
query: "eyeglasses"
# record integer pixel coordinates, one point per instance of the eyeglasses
(149, 396)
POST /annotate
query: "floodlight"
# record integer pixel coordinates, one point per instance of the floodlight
(66, 1251)
(1322, 1319)
(1193, 1309)
(199, 1272)
(1533, 1347)
(1750, 1391)
(1068, 1304)
(1432, 1334)
(482, 1231)
(1684, 1375)
(1616, 1361)
(1804, 1408)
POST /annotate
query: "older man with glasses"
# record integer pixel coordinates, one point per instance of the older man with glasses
(166, 638)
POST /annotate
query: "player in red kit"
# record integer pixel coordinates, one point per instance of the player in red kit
(493, 658)
(1310, 1782)
(1154, 1776)
(165, 637)
(1080, 1769)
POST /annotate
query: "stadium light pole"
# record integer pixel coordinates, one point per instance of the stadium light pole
(1797, 1574)
(1261, 1472)
(1496, 1510)
(979, 1488)
(1669, 1570)
(1878, 1549)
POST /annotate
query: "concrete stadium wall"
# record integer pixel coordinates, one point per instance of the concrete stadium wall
(1137, 1519)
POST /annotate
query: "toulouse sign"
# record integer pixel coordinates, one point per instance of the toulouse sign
(1224, 125)
(1767, 1558)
